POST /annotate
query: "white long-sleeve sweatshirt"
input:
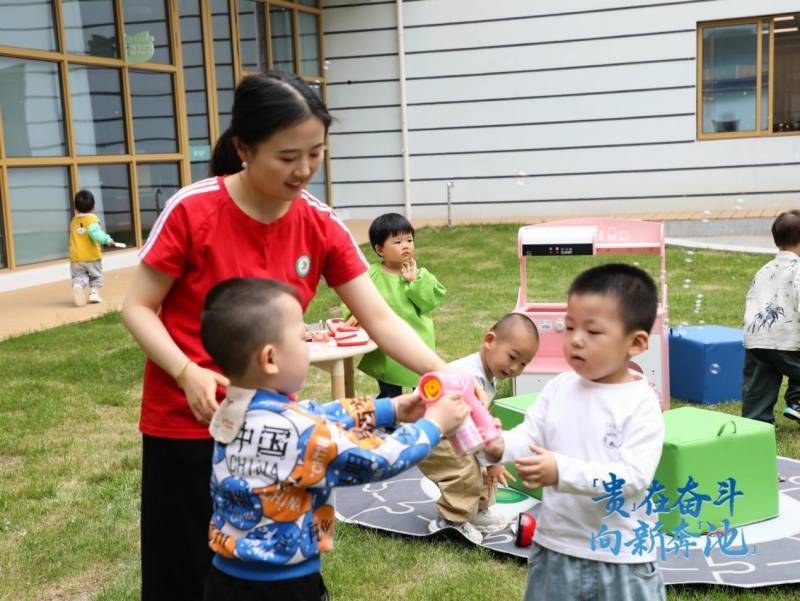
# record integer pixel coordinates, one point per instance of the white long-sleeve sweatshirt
(593, 430)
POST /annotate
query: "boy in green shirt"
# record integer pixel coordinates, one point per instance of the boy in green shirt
(412, 292)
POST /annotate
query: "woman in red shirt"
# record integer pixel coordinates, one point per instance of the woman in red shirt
(254, 219)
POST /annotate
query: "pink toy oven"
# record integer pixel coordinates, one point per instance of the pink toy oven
(589, 237)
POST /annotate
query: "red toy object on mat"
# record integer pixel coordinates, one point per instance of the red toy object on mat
(526, 526)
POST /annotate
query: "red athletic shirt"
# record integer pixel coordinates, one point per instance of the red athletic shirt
(202, 238)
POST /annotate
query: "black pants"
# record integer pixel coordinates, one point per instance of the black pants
(388, 391)
(176, 510)
(763, 373)
(221, 587)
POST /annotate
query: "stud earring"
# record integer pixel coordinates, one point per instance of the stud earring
(244, 164)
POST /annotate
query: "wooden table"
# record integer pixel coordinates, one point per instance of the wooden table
(339, 362)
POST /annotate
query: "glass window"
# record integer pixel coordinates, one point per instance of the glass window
(157, 183)
(40, 213)
(30, 99)
(223, 61)
(199, 171)
(280, 25)
(309, 44)
(729, 78)
(97, 114)
(27, 24)
(90, 27)
(111, 188)
(309, 2)
(146, 31)
(317, 184)
(153, 112)
(252, 32)
(786, 101)
(194, 80)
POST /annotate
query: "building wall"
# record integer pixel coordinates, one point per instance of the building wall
(538, 108)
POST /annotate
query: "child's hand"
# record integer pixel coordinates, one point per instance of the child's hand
(448, 412)
(352, 321)
(408, 407)
(200, 386)
(110, 242)
(494, 449)
(539, 469)
(409, 270)
(498, 474)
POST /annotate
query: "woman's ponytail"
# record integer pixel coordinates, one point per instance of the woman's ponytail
(225, 160)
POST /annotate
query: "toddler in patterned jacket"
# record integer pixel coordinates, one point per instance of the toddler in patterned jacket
(276, 460)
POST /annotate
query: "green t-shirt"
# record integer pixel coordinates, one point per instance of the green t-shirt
(413, 302)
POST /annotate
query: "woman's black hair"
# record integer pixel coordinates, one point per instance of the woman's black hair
(263, 104)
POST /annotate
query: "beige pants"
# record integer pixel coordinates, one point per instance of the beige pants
(462, 481)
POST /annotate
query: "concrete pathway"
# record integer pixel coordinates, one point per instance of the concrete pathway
(49, 305)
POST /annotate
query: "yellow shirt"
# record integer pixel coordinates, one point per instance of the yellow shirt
(81, 246)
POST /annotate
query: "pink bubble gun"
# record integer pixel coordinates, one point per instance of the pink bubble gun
(467, 438)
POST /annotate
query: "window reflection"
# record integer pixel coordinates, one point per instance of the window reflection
(729, 78)
(223, 61)
(153, 112)
(41, 210)
(110, 186)
(97, 117)
(194, 80)
(309, 44)
(157, 183)
(252, 36)
(30, 99)
(27, 24)
(146, 31)
(89, 27)
(787, 67)
(280, 24)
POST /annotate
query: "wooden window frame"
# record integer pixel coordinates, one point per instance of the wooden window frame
(130, 158)
(759, 132)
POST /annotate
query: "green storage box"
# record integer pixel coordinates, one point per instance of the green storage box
(511, 412)
(712, 447)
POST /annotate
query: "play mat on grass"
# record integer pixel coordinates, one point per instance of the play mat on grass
(406, 505)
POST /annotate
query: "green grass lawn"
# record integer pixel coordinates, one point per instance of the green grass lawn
(70, 448)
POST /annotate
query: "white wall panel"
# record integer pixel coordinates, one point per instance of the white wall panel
(729, 181)
(668, 156)
(361, 43)
(364, 145)
(535, 110)
(570, 71)
(367, 120)
(368, 16)
(362, 69)
(570, 54)
(597, 79)
(578, 134)
(363, 94)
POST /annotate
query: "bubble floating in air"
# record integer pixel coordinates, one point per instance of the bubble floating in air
(714, 368)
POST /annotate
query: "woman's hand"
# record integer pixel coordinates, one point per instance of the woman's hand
(200, 386)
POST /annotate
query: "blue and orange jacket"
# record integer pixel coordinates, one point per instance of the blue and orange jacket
(271, 486)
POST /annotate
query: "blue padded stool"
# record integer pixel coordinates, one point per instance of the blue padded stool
(705, 363)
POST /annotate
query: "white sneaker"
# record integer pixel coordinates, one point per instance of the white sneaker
(78, 296)
(465, 528)
(94, 296)
(488, 522)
